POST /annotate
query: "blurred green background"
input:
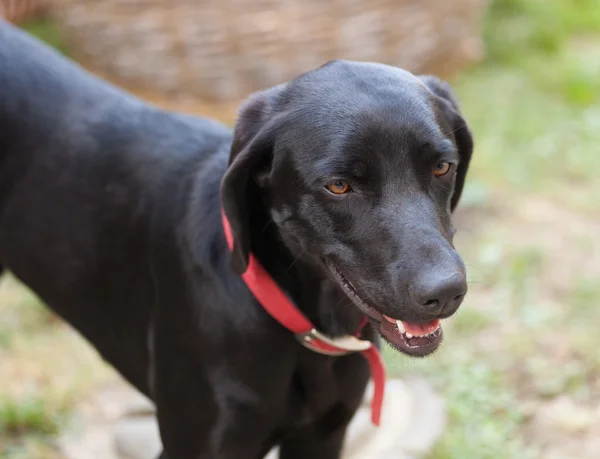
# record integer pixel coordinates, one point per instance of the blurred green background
(520, 369)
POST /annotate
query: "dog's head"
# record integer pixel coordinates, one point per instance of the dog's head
(359, 166)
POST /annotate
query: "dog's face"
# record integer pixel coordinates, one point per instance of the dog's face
(360, 166)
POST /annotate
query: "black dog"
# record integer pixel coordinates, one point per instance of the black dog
(341, 182)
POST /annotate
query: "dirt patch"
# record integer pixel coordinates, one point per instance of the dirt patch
(536, 261)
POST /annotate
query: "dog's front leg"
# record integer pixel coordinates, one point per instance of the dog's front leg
(324, 439)
(320, 440)
(211, 407)
(185, 409)
(309, 444)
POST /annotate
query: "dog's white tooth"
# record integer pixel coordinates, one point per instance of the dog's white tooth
(400, 325)
(408, 335)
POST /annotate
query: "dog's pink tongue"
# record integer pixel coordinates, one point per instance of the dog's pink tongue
(421, 329)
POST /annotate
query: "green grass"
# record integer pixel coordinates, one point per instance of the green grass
(534, 104)
(483, 417)
(28, 425)
(45, 30)
(31, 414)
(45, 369)
(26, 315)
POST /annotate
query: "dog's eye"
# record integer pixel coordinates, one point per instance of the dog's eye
(338, 187)
(442, 168)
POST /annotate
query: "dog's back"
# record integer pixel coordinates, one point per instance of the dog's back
(84, 167)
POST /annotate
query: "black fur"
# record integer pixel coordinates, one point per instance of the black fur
(110, 212)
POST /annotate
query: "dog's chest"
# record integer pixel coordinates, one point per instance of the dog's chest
(327, 387)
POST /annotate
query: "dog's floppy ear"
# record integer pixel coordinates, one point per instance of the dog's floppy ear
(460, 130)
(251, 150)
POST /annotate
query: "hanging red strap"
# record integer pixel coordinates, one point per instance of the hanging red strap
(277, 304)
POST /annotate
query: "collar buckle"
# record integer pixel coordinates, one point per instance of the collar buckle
(323, 344)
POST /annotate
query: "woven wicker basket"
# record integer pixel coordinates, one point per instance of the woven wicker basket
(224, 49)
(21, 10)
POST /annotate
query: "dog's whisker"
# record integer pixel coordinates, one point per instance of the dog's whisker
(466, 231)
(472, 268)
(456, 129)
(294, 261)
(267, 225)
(478, 282)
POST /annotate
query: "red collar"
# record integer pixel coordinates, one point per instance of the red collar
(277, 304)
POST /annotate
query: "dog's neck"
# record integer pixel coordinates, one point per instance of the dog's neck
(311, 289)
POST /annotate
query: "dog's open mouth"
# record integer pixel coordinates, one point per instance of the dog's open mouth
(415, 339)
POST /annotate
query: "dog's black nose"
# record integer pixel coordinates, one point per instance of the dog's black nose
(439, 295)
